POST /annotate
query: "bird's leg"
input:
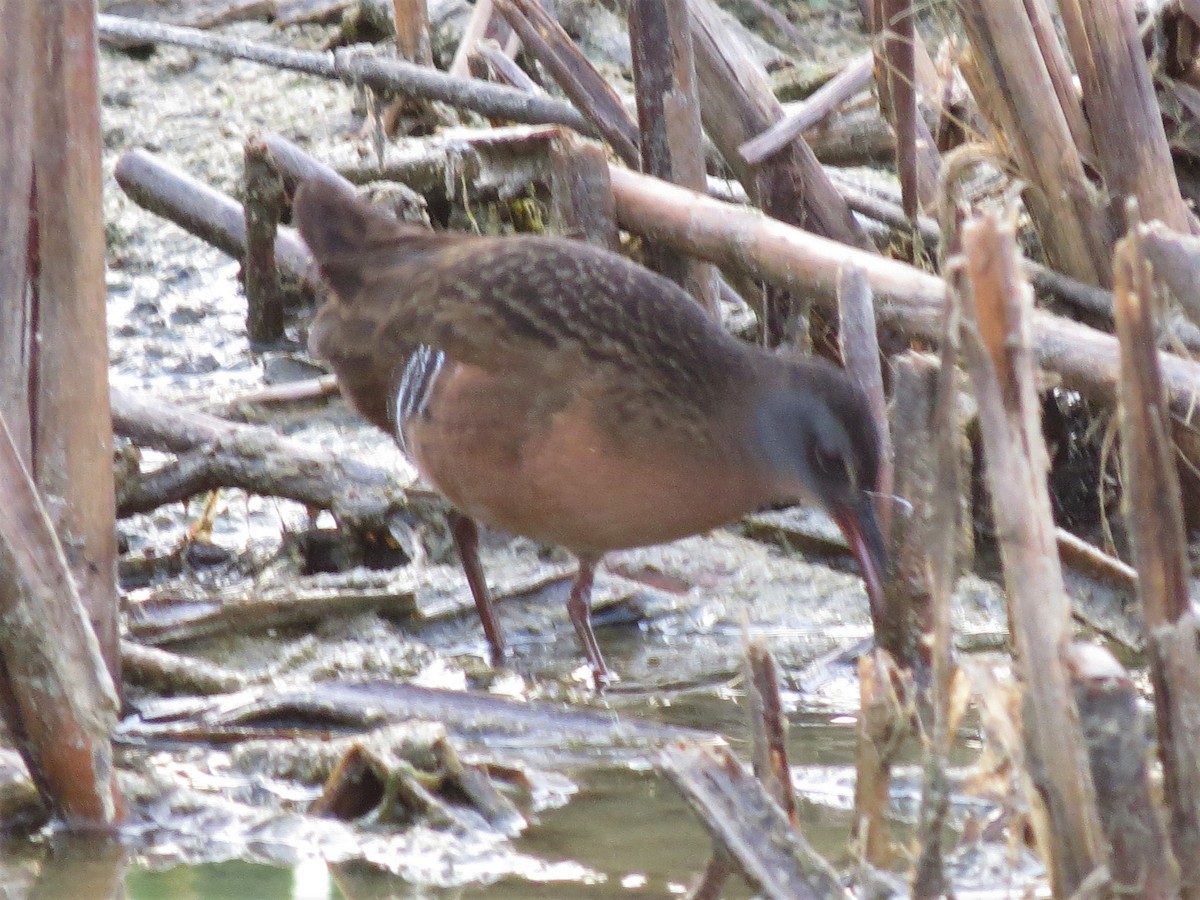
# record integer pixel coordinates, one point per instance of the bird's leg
(579, 605)
(466, 540)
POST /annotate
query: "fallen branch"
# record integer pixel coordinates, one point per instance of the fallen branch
(216, 453)
(751, 829)
(910, 300)
(58, 699)
(357, 68)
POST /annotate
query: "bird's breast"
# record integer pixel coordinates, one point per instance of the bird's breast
(550, 465)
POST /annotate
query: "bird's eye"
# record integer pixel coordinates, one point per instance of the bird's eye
(833, 466)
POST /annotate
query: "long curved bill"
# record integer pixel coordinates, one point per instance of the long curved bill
(860, 525)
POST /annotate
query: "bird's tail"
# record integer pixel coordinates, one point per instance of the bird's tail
(346, 235)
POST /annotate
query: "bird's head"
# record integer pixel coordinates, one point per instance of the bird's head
(815, 432)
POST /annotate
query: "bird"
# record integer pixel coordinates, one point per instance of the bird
(560, 391)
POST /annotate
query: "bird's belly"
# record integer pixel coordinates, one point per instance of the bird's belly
(561, 480)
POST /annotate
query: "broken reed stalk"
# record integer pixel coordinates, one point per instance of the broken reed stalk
(859, 343)
(917, 159)
(581, 201)
(476, 31)
(411, 19)
(1139, 856)
(352, 68)
(768, 726)
(57, 696)
(1058, 67)
(263, 209)
(1175, 258)
(16, 149)
(884, 725)
(1153, 507)
(919, 480)
(487, 56)
(949, 508)
(1123, 111)
(997, 344)
(738, 103)
(70, 429)
(1015, 91)
(672, 141)
(861, 358)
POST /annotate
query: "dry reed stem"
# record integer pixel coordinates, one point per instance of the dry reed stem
(411, 19)
(672, 142)
(1126, 122)
(997, 346)
(884, 725)
(1014, 90)
(16, 149)
(917, 160)
(581, 82)
(72, 433)
(1154, 508)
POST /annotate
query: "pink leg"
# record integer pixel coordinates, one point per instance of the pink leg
(466, 540)
(579, 606)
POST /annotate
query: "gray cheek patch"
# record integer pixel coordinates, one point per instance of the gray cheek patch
(414, 389)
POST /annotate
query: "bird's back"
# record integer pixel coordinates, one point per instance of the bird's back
(567, 310)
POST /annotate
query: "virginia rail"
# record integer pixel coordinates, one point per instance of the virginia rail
(562, 392)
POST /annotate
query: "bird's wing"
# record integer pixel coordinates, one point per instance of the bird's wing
(490, 302)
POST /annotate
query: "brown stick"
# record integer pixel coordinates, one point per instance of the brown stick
(919, 480)
(1059, 69)
(768, 725)
(16, 149)
(861, 358)
(263, 210)
(949, 510)
(1139, 860)
(504, 70)
(62, 696)
(581, 198)
(883, 727)
(999, 354)
(411, 19)
(672, 142)
(738, 105)
(1160, 552)
(72, 435)
(1175, 259)
(895, 74)
(481, 22)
